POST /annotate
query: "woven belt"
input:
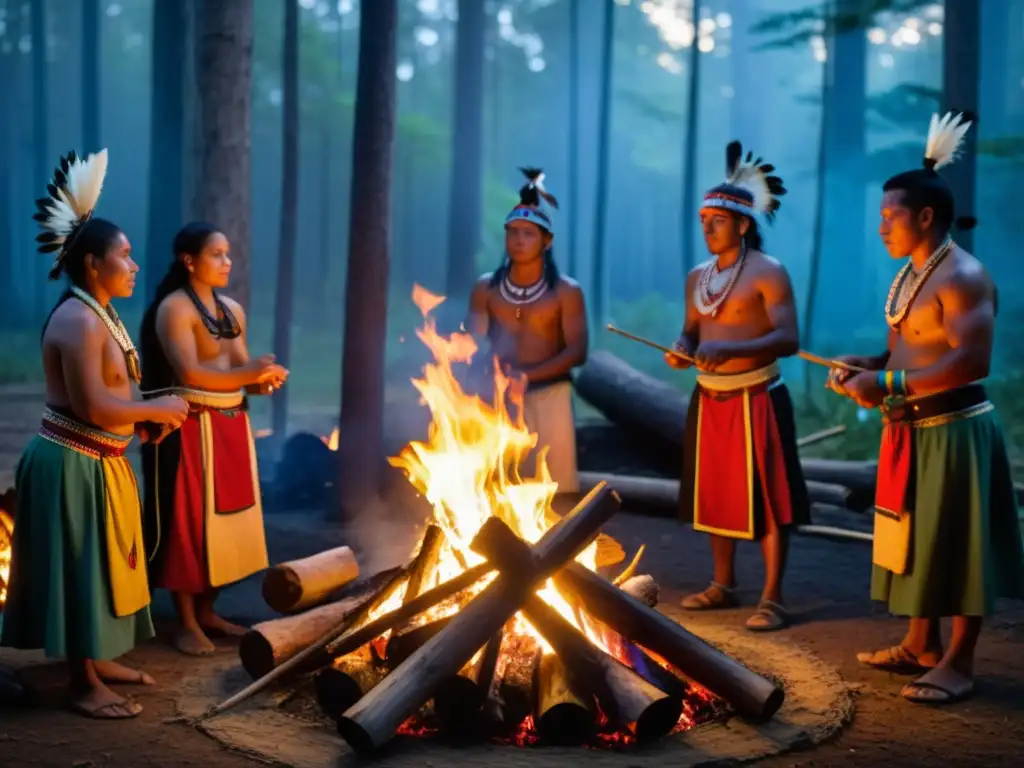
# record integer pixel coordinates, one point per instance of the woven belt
(89, 441)
(724, 385)
(939, 408)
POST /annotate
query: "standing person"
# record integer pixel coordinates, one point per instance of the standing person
(78, 586)
(204, 519)
(535, 319)
(741, 472)
(947, 541)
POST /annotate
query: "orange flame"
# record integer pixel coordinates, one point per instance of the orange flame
(468, 467)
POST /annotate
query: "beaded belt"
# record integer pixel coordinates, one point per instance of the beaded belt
(89, 441)
(720, 385)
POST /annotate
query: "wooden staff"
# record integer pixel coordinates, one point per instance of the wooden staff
(808, 356)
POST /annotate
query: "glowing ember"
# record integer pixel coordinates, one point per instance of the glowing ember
(6, 540)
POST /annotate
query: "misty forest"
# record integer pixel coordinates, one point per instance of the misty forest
(627, 105)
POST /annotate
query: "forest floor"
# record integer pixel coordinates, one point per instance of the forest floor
(826, 588)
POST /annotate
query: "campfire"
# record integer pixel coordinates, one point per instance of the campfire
(6, 542)
(502, 624)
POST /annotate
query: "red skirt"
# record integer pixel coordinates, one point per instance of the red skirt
(741, 467)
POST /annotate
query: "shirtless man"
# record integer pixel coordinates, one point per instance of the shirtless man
(78, 585)
(741, 473)
(536, 321)
(203, 512)
(947, 541)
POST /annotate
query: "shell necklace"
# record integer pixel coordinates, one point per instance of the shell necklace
(521, 296)
(116, 328)
(714, 285)
(909, 282)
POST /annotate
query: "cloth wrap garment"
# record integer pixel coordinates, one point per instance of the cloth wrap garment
(947, 541)
(204, 517)
(740, 458)
(78, 585)
(547, 411)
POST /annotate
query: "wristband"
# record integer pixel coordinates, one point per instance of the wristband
(899, 385)
(884, 381)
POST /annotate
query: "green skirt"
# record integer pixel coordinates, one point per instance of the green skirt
(59, 597)
(965, 546)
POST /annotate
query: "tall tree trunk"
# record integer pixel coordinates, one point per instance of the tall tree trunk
(961, 62)
(41, 165)
(598, 303)
(828, 84)
(289, 211)
(91, 51)
(465, 203)
(9, 304)
(224, 30)
(690, 193)
(361, 445)
(572, 211)
(847, 279)
(166, 138)
(745, 116)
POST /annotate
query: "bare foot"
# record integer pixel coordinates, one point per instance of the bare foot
(101, 703)
(215, 625)
(112, 672)
(193, 642)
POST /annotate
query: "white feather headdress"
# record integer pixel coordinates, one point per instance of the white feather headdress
(72, 195)
(945, 135)
(752, 176)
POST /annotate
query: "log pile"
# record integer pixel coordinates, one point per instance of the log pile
(486, 654)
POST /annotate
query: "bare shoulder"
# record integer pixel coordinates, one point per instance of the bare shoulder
(569, 287)
(694, 274)
(963, 279)
(766, 264)
(483, 283)
(72, 324)
(235, 308)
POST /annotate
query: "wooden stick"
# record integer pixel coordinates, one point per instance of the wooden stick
(818, 437)
(808, 356)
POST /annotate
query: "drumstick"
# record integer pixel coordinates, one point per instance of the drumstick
(808, 356)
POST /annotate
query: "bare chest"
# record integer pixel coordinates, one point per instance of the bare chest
(742, 305)
(542, 317)
(114, 366)
(923, 323)
(210, 349)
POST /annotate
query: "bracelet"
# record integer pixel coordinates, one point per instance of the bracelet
(892, 382)
(884, 381)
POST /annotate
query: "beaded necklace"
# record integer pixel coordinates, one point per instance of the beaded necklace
(116, 328)
(706, 298)
(521, 296)
(908, 284)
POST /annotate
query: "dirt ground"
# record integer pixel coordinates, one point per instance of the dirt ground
(827, 587)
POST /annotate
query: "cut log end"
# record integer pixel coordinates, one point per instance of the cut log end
(644, 588)
(658, 719)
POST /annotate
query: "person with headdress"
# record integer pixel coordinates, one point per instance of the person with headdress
(946, 540)
(741, 477)
(78, 585)
(535, 319)
(204, 518)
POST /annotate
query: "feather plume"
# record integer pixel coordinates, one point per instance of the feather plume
(945, 135)
(535, 176)
(754, 175)
(72, 196)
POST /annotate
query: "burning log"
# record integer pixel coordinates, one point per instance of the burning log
(347, 680)
(625, 697)
(566, 715)
(516, 691)
(402, 643)
(643, 587)
(459, 701)
(294, 586)
(269, 643)
(751, 694)
(371, 722)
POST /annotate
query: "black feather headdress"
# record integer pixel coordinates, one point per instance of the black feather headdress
(530, 196)
(750, 186)
(71, 198)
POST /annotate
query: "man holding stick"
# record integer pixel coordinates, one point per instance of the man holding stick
(741, 471)
(946, 539)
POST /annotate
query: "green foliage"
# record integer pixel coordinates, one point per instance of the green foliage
(1004, 148)
(792, 28)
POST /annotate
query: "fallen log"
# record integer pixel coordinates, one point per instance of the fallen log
(347, 680)
(459, 701)
(270, 643)
(749, 693)
(625, 696)
(372, 721)
(660, 497)
(300, 584)
(566, 716)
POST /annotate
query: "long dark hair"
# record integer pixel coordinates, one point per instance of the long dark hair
(96, 237)
(190, 240)
(752, 237)
(530, 195)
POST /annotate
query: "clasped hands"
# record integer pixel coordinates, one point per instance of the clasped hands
(708, 356)
(270, 375)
